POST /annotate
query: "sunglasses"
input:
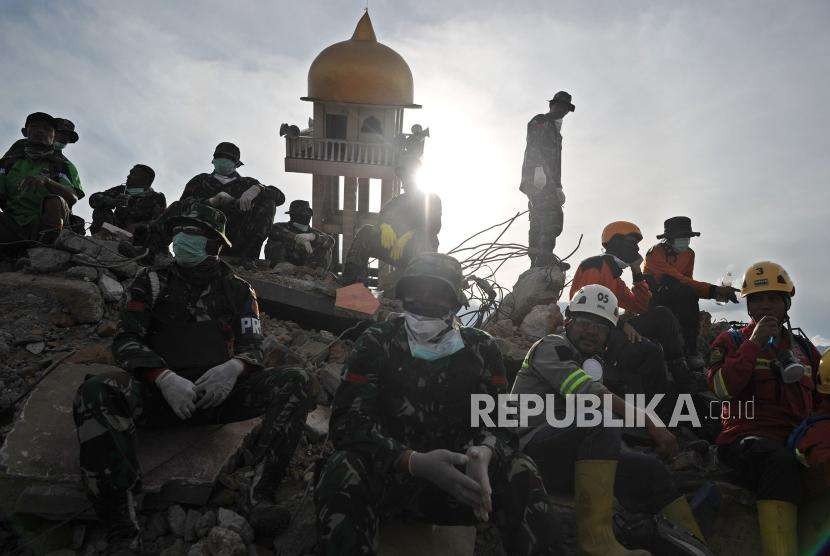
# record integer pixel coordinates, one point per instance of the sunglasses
(591, 324)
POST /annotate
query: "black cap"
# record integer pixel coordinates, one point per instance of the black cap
(678, 226)
(66, 126)
(40, 117)
(563, 97)
(299, 206)
(229, 151)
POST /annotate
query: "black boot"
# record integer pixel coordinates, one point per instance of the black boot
(351, 274)
(117, 511)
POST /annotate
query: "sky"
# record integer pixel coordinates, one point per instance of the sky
(714, 110)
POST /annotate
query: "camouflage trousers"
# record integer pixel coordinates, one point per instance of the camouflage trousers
(109, 407)
(546, 221)
(249, 230)
(366, 245)
(351, 503)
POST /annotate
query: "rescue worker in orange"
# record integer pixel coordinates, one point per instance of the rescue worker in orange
(764, 374)
(637, 364)
(670, 265)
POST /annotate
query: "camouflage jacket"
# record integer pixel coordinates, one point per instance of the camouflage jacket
(282, 247)
(130, 209)
(544, 148)
(413, 211)
(205, 186)
(167, 293)
(389, 401)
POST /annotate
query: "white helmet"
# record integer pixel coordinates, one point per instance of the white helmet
(597, 300)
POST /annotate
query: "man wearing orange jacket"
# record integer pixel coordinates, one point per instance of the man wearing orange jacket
(764, 364)
(670, 264)
(640, 362)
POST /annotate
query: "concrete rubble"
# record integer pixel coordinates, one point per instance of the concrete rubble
(64, 302)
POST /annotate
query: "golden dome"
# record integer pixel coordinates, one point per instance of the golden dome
(361, 71)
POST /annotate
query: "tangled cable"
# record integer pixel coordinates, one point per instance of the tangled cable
(481, 262)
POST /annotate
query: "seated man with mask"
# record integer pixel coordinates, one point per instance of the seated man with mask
(131, 206)
(296, 242)
(592, 461)
(670, 267)
(190, 344)
(249, 206)
(401, 429)
(37, 188)
(644, 362)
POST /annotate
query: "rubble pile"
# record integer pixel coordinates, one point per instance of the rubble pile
(59, 305)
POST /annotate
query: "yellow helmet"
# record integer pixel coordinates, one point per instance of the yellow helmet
(766, 276)
(823, 385)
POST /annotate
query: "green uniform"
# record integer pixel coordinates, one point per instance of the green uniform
(124, 210)
(186, 320)
(389, 402)
(24, 205)
(283, 247)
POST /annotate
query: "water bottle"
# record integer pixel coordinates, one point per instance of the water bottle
(726, 280)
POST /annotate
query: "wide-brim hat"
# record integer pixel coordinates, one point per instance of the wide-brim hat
(563, 97)
(299, 206)
(678, 226)
(63, 125)
(206, 215)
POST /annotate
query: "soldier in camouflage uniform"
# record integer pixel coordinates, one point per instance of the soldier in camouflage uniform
(407, 225)
(542, 179)
(297, 242)
(591, 461)
(190, 342)
(248, 205)
(131, 206)
(401, 429)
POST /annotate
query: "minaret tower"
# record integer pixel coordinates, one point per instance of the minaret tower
(359, 89)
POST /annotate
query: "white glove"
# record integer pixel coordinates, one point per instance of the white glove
(439, 467)
(305, 240)
(179, 393)
(248, 197)
(220, 199)
(214, 386)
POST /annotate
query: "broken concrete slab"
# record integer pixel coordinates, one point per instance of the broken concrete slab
(111, 289)
(535, 286)
(81, 299)
(39, 460)
(90, 249)
(309, 303)
(87, 273)
(46, 259)
(357, 297)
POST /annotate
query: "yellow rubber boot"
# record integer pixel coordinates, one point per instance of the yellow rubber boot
(680, 513)
(777, 521)
(594, 494)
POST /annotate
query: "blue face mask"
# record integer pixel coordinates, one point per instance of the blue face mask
(681, 243)
(224, 166)
(431, 352)
(58, 145)
(189, 249)
(135, 190)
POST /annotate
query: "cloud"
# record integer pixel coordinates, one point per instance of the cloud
(681, 109)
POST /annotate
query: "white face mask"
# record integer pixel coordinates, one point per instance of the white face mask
(681, 243)
(432, 338)
(558, 124)
(620, 263)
